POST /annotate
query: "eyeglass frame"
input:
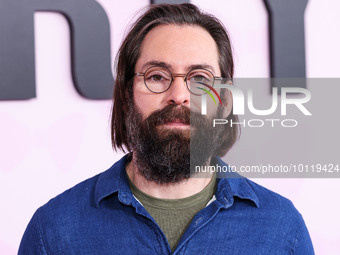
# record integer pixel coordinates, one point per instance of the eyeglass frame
(176, 75)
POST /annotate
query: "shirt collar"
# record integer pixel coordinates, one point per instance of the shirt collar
(228, 186)
(232, 185)
(112, 181)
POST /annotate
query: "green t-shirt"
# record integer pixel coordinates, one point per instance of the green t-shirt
(173, 216)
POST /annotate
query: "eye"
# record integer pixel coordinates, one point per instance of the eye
(155, 78)
(199, 78)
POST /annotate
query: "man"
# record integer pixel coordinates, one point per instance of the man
(150, 202)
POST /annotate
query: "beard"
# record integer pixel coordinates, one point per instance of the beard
(169, 155)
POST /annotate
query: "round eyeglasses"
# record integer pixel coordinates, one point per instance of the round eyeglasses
(158, 79)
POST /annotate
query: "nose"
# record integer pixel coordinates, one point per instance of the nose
(178, 92)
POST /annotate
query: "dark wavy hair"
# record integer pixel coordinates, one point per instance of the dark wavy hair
(129, 52)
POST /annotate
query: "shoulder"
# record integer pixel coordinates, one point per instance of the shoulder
(265, 213)
(270, 203)
(86, 194)
(269, 199)
(61, 212)
(77, 196)
(61, 220)
(53, 221)
(284, 219)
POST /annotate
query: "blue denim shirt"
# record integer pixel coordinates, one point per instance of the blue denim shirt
(101, 216)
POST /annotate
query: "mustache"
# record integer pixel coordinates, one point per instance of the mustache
(173, 113)
(169, 113)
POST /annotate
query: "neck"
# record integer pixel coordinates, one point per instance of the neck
(180, 190)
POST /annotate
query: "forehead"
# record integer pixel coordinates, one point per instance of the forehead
(179, 46)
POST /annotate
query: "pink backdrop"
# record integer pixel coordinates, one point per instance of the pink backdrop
(52, 142)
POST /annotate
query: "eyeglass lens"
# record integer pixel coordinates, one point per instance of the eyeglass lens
(158, 79)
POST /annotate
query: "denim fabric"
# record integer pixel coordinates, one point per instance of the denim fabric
(101, 216)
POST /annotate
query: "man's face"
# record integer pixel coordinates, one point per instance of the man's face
(158, 125)
(180, 48)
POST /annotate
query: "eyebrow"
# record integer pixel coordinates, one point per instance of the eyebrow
(188, 68)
